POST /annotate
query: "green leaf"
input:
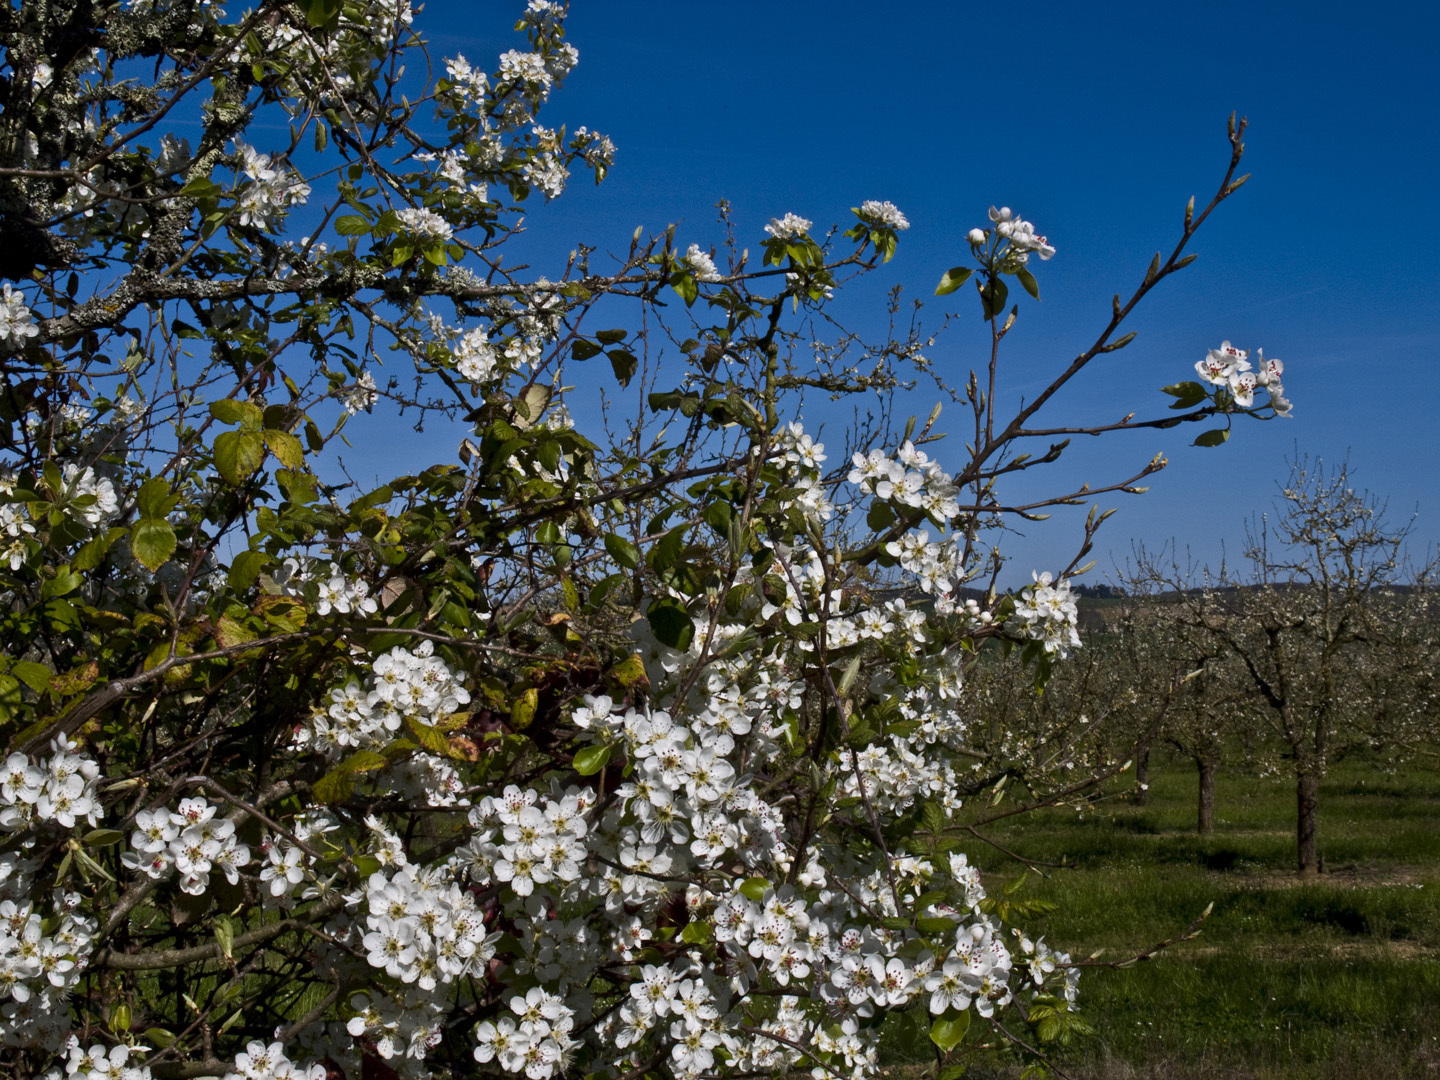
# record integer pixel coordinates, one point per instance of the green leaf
(285, 447)
(530, 404)
(683, 282)
(719, 515)
(591, 760)
(334, 787)
(321, 12)
(583, 349)
(610, 337)
(947, 1031)
(154, 499)
(697, 933)
(364, 761)
(120, 1019)
(245, 413)
(754, 888)
(671, 624)
(522, 709)
(152, 541)
(623, 551)
(1188, 394)
(993, 295)
(36, 676)
(1028, 280)
(881, 516)
(953, 279)
(238, 454)
(225, 937)
(11, 700)
(935, 924)
(91, 555)
(624, 363)
(245, 568)
(912, 1033)
(63, 583)
(666, 553)
(1212, 438)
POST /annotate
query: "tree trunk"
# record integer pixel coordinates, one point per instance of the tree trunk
(1205, 819)
(1307, 801)
(1142, 774)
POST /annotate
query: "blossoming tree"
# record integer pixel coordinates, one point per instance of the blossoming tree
(621, 751)
(1325, 639)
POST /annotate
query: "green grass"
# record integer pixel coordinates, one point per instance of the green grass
(1337, 977)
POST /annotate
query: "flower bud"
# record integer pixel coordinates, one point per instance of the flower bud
(977, 236)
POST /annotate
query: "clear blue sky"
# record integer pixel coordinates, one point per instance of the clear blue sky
(1097, 122)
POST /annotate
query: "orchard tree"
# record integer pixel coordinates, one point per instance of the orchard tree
(573, 754)
(1182, 678)
(1326, 637)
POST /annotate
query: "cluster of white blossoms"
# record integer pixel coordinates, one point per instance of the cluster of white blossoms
(59, 789)
(271, 188)
(1230, 368)
(893, 774)
(15, 525)
(910, 478)
(424, 929)
(88, 496)
(881, 215)
(41, 960)
(471, 83)
(534, 69)
(453, 169)
(700, 264)
(474, 356)
(537, 844)
(789, 227)
(400, 686)
(538, 1044)
(98, 1062)
(551, 888)
(1047, 613)
(425, 226)
(325, 586)
(1020, 233)
(190, 841)
(261, 1062)
(17, 325)
(66, 423)
(359, 396)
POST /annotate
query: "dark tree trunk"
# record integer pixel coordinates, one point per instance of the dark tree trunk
(1142, 774)
(1307, 802)
(1205, 819)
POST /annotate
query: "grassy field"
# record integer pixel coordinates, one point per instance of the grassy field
(1334, 978)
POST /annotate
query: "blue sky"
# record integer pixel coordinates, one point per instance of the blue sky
(1097, 122)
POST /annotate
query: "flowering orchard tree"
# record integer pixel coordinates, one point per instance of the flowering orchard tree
(1327, 639)
(624, 751)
